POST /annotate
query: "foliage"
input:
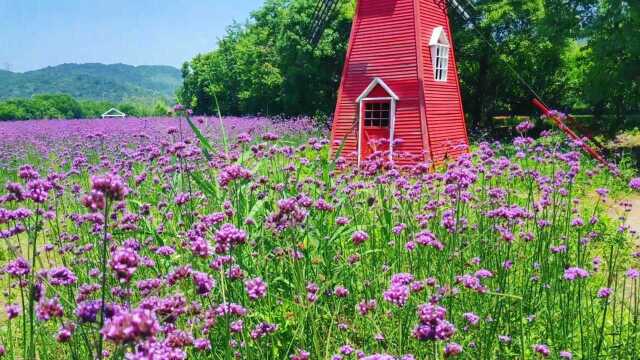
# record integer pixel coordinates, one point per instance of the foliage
(564, 49)
(267, 66)
(612, 80)
(59, 106)
(529, 40)
(113, 83)
(271, 250)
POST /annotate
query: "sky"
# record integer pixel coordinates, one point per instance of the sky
(40, 33)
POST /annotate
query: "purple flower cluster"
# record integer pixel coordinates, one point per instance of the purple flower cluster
(262, 330)
(426, 238)
(359, 237)
(61, 276)
(129, 326)
(433, 324)
(203, 282)
(398, 291)
(49, 308)
(256, 288)
(124, 262)
(575, 273)
(231, 173)
(227, 237)
(18, 267)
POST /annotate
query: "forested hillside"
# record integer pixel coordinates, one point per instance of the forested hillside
(115, 83)
(581, 56)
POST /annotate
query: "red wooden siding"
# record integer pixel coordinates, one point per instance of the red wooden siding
(378, 91)
(384, 43)
(443, 104)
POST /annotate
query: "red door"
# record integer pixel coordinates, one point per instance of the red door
(375, 137)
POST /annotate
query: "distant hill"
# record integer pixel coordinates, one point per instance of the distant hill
(116, 82)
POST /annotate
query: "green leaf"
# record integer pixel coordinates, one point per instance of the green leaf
(204, 143)
(206, 187)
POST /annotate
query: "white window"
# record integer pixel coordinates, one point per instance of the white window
(439, 45)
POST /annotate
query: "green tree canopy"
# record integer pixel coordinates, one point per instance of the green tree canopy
(577, 54)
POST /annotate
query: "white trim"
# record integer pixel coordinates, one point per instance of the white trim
(359, 132)
(377, 98)
(438, 37)
(372, 85)
(392, 124)
(440, 49)
(392, 98)
(393, 128)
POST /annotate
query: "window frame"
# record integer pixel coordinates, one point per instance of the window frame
(440, 54)
(364, 98)
(374, 111)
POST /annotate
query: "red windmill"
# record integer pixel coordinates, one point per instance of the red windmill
(399, 96)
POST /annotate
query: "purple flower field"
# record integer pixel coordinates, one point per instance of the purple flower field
(144, 239)
(64, 138)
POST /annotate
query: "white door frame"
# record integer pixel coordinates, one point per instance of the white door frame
(392, 123)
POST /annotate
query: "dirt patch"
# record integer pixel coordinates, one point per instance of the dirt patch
(616, 210)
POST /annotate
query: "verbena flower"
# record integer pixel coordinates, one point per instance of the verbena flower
(124, 262)
(452, 349)
(18, 267)
(574, 273)
(471, 318)
(231, 173)
(359, 237)
(12, 310)
(542, 350)
(397, 294)
(61, 276)
(604, 292)
(633, 273)
(262, 330)
(126, 326)
(566, 355)
(340, 291)
(426, 238)
(49, 308)
(110, 185)
(256, 288)
(65, 332)
(87, 311)
(203, 282)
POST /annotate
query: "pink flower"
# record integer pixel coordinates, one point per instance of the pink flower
(256, 288)
(359, 237)
(127, 327)
(124, 262)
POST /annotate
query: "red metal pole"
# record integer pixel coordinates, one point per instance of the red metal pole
(545, 110)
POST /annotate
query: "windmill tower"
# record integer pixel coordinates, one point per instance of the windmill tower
(399, 95)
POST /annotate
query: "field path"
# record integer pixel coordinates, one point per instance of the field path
(615, 210)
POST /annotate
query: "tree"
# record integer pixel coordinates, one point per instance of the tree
(58, 106)
(612, 81)
(530, 42)
(563, 49)
(266, 66)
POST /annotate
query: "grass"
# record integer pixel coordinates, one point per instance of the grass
(351, 257)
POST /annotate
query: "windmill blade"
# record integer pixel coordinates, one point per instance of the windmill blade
(322, 15)
(463, 8)
(464, 14)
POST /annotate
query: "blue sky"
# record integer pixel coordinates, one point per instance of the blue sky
(38, 33)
